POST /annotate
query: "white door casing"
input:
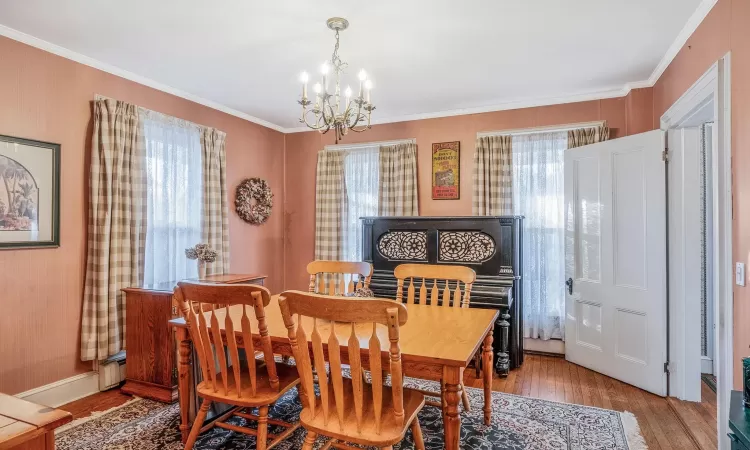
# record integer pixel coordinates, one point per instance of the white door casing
(684, 174)
(615, 251)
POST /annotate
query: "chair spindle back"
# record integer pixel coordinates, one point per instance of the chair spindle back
(432, 276)
(329, 321)
(338, 277)
(207, 308)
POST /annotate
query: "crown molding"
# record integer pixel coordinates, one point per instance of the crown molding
(122, 73)
(692, 24)
(519, 104)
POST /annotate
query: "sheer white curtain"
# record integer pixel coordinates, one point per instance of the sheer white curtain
(173, 167)
(361, 181)
(538, 191)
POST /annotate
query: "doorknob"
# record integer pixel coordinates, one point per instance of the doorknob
(569, 284)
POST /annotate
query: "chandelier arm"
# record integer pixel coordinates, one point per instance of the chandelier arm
(363, 126)
(315, 126)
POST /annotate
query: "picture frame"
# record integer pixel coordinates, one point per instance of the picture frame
(29, 194)
(446, 171)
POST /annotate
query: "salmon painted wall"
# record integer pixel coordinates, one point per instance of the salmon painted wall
(725, 29)
(627, 115)
(48, 98)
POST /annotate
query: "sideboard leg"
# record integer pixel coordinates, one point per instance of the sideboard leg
(503, 360)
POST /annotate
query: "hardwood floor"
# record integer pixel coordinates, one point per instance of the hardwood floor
(699, 418)
(97, 402)
(664, 422)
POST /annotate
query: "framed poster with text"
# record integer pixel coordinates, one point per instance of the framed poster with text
(445, 170)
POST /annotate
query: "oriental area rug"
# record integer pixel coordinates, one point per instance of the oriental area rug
(517, 423)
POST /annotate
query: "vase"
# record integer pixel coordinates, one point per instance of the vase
(201, 270)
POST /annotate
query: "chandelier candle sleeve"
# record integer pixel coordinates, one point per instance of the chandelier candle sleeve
(331, 110)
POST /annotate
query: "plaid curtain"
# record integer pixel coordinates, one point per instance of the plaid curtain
(329, 205)
(397, 193)
(586, 136)
(493, 182)
(215, 225)
(116, 226)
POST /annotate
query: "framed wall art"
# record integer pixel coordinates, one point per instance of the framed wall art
(446, 170)
(29, 193)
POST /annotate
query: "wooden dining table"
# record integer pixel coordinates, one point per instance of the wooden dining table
(437, 343)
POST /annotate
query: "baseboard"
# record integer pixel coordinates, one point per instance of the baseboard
(63, 391)
(550, 346)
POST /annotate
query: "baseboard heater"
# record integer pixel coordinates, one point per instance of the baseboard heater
(112, 372)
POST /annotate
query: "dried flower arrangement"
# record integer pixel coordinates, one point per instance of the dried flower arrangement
(201, 252)
(253, 189)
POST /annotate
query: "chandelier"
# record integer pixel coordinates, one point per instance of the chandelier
(331, 110)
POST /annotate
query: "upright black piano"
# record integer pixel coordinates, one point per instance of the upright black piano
(490, 245)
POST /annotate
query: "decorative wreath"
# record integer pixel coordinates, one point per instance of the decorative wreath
(258, 190)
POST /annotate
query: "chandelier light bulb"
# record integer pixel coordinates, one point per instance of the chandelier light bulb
(317, 88)
(324, 68)
(348, 91)
(368, 84)
(304, 77)
(362, 75)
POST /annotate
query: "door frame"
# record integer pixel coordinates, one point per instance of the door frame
(714, 85)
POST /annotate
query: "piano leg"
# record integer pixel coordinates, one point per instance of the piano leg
(503, 360)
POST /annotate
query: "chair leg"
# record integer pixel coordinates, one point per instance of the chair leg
(309, 440)
(465, 398)
(197, 425)
(262, 438)
(477, 364)
(416, 432)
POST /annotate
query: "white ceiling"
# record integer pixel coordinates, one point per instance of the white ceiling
(426, 57)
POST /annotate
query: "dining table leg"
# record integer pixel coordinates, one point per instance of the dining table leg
(183, 379)
(487, 376)
(451, 419)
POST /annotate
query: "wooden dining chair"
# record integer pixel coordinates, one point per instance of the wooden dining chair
(439, 286)
(235, 309)
(349, 409)
(338, 277)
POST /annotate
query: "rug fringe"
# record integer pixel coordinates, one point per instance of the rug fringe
(94, 415)
(632, 431)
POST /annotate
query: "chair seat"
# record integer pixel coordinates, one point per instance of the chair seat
(264, 394)
(391, 432)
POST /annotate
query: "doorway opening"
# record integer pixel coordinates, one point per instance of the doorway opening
(700, 253)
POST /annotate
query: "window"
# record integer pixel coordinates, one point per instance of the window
(174, 197)
(361, 179)
(538, 194)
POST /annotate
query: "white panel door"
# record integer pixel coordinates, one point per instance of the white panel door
(615, 259)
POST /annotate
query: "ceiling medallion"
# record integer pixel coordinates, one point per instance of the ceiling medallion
(330, 110)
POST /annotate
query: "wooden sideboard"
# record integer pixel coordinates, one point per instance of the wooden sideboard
(739, 422)
(151, 362)
(28, 426)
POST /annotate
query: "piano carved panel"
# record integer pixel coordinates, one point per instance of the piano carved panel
(404, 245)
(465, 246)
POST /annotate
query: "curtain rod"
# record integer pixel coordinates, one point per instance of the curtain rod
(158, 114)
(369, 144)
(547, 129)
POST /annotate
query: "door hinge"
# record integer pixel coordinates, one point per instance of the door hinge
(666, 367)
(665, 155)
